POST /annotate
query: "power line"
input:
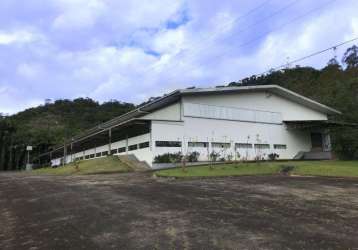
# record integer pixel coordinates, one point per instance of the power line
(214, 34)
(264, 34)
(311, 55)
(285, 24)
(270, 16)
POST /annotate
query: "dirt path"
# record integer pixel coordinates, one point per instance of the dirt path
(135, 211)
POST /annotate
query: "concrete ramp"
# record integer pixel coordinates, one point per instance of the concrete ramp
(318, 156)
(133, 162)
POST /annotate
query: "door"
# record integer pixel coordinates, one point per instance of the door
(316, 140)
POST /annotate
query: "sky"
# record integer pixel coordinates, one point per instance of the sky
(132, 50)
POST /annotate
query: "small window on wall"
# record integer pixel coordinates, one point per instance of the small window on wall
(104, 153)
(133, 147)
(220, 145)
(262, 146)
(279, 146)
(80, 158)
(91, 156)
(169, 144)
(87, 157)
(144, 145)
(243, 145)
(198, 144)
(121, 150)
(98, 155)
(114, 151)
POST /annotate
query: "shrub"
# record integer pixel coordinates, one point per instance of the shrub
(222, 159)
(286, 169)
(273, 156)
(214, 156)
(193, 157)
(229, 157)
(168, 158)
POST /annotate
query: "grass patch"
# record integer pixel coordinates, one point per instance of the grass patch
(110, 164)
(308, 168)
(327, 168)
(222, 170)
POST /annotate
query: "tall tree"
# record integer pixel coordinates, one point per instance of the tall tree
(350, 57)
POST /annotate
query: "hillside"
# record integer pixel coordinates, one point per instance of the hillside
(48, 125)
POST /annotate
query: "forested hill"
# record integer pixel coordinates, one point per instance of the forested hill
(335, 85)
(48, 125)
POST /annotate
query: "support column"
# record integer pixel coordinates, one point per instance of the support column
(64, 154)
(71, 151)
(126, 144)
(110, 141)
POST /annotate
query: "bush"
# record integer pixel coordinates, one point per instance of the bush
(214, 156)
(285, 170)
(222, 159)
(193, 157)
(168, 158)
(273, 156)
(229, 157)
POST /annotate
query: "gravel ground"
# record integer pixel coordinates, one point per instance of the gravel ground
(137, 211)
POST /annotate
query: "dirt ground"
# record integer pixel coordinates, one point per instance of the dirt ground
(136, 211)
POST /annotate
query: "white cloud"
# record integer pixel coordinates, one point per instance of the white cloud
(7, 38)
(110, 49)
(29, 70)
(76, 14)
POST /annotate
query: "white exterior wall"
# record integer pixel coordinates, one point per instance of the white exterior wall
(290, 110)
(144, 154)
(200, 129)
(223, 131)
(170, 113)
(166, 131)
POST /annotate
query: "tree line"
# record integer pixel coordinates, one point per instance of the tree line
(45, 126)
(48, 125)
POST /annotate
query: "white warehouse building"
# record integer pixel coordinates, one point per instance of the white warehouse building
(242, 123)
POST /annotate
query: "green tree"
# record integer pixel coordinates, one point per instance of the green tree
(350, 57)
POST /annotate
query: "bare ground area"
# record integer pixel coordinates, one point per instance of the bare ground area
(136, 211)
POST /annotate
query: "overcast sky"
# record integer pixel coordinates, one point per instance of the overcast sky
(131, 50)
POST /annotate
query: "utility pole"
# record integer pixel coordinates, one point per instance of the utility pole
(28, 165)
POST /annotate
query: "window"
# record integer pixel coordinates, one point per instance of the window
(220, 145)
(87, 157)
(104, 153)
(114, 151)
(171, 144)
(262, 146)
(121, 150)
(133, 147)
(144, 145)
(243, 145)
(91, 156)
(98, 155)
(80, 158)
(198, 144)
(279, 146)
